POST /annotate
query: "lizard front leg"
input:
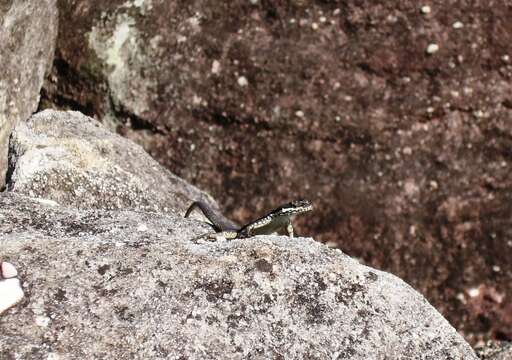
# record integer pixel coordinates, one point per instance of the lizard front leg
(289, 229)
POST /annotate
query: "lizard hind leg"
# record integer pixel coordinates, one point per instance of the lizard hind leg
(217, 236)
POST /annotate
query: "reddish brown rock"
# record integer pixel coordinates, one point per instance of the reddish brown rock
(336, 101)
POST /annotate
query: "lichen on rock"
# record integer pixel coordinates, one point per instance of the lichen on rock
(117, 43)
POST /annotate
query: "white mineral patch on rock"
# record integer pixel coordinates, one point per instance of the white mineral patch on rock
(458, 25)
(425, 9)
(10, 293)
(142, 228)
(47, 202)
(242, 81)
(432, 48)
(8, 270)
(215, 67)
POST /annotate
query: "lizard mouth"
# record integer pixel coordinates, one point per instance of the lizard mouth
(301, 206)
(304, 209)
(308, 208)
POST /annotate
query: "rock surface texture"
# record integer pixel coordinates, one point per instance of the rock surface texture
(28, 30)
(122, 284)
(495, 351)
(394, 119)
(69, 158)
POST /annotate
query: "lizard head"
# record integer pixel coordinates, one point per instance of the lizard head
(294, 207)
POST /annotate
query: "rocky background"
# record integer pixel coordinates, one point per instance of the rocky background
(117, 279)
(393, 117)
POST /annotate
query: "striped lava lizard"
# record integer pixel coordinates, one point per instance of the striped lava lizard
(274, 221)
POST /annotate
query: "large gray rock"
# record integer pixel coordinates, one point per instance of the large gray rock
(72, 159)
(28, 30)
(121, 284)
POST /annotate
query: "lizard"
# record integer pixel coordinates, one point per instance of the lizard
(276, 220)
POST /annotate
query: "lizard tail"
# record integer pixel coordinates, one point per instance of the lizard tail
(191, 208)
(219, 222)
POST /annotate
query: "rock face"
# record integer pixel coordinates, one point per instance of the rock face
(120, 284)
(75, 161)
(495, 351)
(403, 150)
(28, 30)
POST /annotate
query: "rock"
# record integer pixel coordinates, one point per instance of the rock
(100, 288)
(7, 270)
(28, 30)
(73, 160)
(10, 287)
(367, 91)
(10, 293)
(495, 350)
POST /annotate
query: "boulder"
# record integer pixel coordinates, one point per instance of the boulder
(74, 160)
(28, 30)
(123, 284)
